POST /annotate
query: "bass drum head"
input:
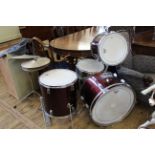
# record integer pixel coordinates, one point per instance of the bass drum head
(113, 49)
(113, 106)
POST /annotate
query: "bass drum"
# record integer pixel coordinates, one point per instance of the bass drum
(108, 98)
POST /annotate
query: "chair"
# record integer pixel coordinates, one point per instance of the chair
(17, 81)
(137, 70)
(41, 48)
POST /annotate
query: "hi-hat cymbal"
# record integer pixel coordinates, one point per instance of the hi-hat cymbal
(36, 63)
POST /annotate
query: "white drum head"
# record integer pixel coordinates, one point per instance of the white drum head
(58, 78)
(90, 66)
(36, 63)
(113, 106)
(113, 49)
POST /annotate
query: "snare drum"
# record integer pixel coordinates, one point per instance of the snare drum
(112, 48)
(88, 67)
(108, 98)
(58, 88)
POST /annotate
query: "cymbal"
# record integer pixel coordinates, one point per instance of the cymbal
(24, 56)
(36, 63)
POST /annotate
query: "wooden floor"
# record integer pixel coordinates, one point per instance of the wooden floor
(26, 115)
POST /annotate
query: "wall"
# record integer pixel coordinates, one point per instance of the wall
(9, 33)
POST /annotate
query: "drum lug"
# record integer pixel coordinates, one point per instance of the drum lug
(87, 106)
(107, 80)
(69, 106)
(115, 74)
(82, 98)
(51, 112)
(48, 90)
(122, 80)
(72, 88)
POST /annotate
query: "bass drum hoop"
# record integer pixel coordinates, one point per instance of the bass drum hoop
(101, 95)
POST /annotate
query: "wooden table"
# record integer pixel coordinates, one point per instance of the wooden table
(76, 44)
(145, 39)
(143, 43)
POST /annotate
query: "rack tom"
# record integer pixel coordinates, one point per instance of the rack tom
(88, 67)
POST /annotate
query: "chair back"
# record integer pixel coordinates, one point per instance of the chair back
(38, 47)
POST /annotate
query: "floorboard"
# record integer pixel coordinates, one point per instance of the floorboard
(27, 115)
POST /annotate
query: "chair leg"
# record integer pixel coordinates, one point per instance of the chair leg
(148, 122)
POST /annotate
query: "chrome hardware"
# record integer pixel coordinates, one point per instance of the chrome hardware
(122, 80)
(107, 80)
(48, 90)
(72, 88)
(82, 98)
(115, 75)
(87, 106)
(70, 106)
(51, 112)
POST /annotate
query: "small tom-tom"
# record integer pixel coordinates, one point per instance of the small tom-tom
(88, 67)
(108, 98)
(58, 88)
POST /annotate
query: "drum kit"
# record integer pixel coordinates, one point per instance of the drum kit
(108, 98)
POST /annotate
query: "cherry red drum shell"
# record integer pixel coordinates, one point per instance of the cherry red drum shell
(58, 87)
(94, 86)
(56, 100)
(95, 44)
(108, 98)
